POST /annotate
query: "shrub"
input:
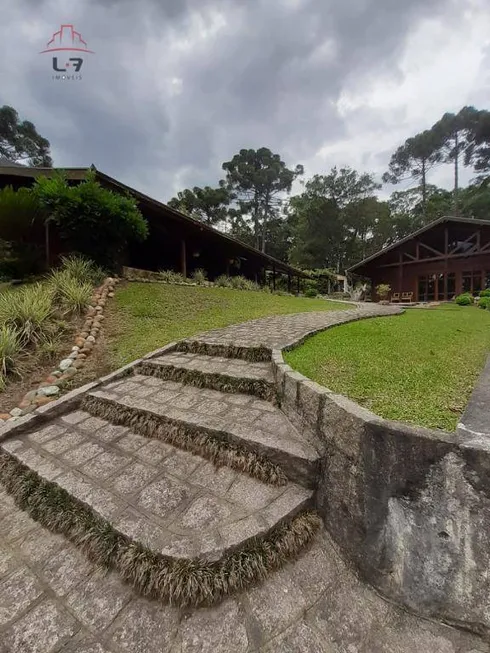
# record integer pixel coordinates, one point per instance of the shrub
(169, 276)
(199, 276)
(10, 347)
(484, 302)
(310, 292)
(465, 299)
(485, 293)
(383, 290)
(223, 281)
(82, 269)
(239, 283)
(74, 296)
(29, 311)
(89, 218)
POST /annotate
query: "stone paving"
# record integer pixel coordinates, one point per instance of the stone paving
(279, 331)
(173, 502)
(53, 599)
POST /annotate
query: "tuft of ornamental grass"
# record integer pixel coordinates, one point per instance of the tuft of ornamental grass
(213, 381)
(169, 276)
(199, 276)
(10, 347)
(188, 437)
(29, 311)
(82, 269)
(179, 582)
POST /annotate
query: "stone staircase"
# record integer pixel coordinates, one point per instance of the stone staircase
(185, 475)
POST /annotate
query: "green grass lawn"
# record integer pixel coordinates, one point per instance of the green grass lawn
(419, 367)
(147, 316)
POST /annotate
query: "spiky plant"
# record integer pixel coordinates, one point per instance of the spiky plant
(199, 276)
(82, 269)
(28, 310)
(10, 347)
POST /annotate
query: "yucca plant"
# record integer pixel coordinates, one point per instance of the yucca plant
(223, 281)
(199, 276)
(74, 296)
(29, 311)
(169, 276)
(10, 348)
(82, 269)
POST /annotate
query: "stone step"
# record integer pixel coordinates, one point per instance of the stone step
(209, 347)
(171, 523)
(213, 372)
(174, 502)
(168, 409)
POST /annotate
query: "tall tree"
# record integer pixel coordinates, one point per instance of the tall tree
(20, 141)
(478, 153)
(455, 132)
(258, 180)
(208, 205)
(335, 218)
(414, 159)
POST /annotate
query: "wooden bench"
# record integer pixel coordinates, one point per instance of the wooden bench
(395, 297)
(407, 297)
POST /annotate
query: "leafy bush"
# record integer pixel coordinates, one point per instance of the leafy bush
(91, 219)
(10, 347)
(310, 292)
(29, 311)
(484, 302)
(199, 276)
(465, 299)
(485, 293)
(223, 281)
(383, 290)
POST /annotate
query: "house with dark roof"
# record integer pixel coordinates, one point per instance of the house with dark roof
(176, 241)
(439, 261)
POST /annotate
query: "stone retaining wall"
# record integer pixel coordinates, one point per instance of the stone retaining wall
(408, 506)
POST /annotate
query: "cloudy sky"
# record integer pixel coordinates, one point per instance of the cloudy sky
(176, 87)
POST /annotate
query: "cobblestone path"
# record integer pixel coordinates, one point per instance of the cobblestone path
(187, 459)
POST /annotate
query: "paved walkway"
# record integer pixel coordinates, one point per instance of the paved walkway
(53, 599)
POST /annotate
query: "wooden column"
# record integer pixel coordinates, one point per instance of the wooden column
(273, 277)
(400, 272)
(183, 259)
(298, 286)
(446, 252)
(289, 283)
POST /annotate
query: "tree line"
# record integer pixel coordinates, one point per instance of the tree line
(337, 218)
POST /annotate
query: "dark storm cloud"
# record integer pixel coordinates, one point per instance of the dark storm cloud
(161, 104)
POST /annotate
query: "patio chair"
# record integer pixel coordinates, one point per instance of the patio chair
(395, 297)
(407, 297)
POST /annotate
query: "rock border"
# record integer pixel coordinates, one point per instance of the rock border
(50, 389)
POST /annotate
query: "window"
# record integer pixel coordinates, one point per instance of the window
(472, 281)
(451, 286)
(427, 288)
